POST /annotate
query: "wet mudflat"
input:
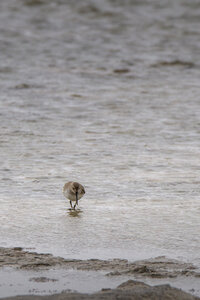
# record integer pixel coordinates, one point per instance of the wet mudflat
(129, 290)
(159, 267)
(105, 93)
(45, 274)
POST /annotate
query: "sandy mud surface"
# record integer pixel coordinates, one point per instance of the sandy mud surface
(159, 267)
(156, 268)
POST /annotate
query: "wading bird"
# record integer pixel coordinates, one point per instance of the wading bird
(73, 191)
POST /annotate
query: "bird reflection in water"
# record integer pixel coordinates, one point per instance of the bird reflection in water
(75, 213)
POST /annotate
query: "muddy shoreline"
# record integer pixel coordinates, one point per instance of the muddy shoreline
(155, 268)
(126, 291)
(159, 267)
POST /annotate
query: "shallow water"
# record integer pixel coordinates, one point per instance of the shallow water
(53, 282)
(105, 93)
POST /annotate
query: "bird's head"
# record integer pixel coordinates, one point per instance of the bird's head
(78, 188)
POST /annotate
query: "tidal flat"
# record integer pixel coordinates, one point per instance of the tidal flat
(105, 93)
(44, 276)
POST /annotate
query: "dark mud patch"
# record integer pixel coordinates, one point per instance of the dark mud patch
(23, 86)
(174, 63)
(6, 70)
(159, 267)
(121, 71)
(42, 279)
(34, 2)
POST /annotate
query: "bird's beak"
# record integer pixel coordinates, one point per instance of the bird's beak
(77, 198)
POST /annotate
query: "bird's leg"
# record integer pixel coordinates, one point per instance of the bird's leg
(74, 206)
(71, 203)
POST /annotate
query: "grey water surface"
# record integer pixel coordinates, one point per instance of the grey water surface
(107, 93)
